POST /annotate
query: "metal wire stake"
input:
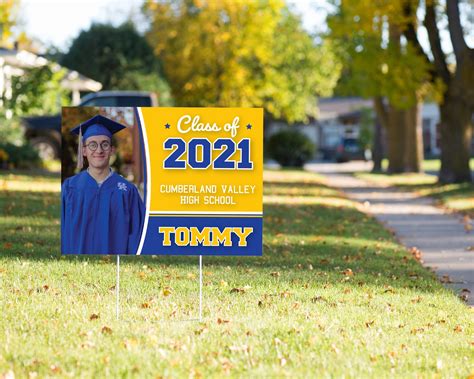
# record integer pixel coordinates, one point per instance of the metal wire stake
(117, 289)
(200, 288)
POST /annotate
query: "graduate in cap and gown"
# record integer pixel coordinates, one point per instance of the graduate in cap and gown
(102, 213)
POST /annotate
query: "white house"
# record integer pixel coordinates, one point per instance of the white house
(15, 62)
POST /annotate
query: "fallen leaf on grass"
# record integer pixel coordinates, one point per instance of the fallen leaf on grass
(318, 298)
(93, 316)
(106, 330)
(7, 245)
(200, 331)
(55, 369)
(446, 279)
(416, 253)
(240, 290)
(275, 274)
(348, 272)
(145, 305)
(458, 329)
(87, 345)
(368, 324)
(222, 321)
(167, 291)
(417, 330)
(285, 294)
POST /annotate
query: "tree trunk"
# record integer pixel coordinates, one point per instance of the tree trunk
(396, 133)
(456, 137)
(413, 139)
(377, 148)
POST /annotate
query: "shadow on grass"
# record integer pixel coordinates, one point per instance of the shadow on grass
(321, 241)
(30, 204)
(277, 188)
(33, 174)
(445, 193)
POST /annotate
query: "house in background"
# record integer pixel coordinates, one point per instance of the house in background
(340, 117)
(15, 62)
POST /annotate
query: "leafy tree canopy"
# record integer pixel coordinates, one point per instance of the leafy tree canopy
(118, 57)
(378, 61)
(241, 53)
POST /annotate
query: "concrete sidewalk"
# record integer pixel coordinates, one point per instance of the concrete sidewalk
(417, 222)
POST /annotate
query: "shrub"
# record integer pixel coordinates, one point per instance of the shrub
(11, 130)
(22, 156)
(290, 148)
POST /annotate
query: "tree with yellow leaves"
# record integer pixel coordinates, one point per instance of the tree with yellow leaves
(8, 18)
(241, 53)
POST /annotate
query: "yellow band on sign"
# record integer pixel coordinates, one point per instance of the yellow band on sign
(205, 160)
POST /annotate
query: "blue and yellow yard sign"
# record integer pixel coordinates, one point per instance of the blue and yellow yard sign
(204, 181)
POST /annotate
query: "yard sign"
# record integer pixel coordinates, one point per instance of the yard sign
(204, 183)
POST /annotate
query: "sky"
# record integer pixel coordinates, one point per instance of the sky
(57, 22)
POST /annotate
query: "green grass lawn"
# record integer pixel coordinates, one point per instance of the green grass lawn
(334, 295)
(433, 164)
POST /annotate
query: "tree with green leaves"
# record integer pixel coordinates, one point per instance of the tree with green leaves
(241, 53)
(119, 58)
(38, 91)
(384, 66)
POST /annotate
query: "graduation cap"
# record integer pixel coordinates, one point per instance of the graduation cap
(96, 126)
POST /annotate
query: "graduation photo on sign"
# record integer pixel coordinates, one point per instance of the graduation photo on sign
(102, 209)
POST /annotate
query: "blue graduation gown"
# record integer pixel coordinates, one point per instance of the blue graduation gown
(100, 220)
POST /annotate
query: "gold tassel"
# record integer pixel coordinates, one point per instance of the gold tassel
(80, 158)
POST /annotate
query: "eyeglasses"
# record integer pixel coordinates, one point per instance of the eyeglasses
(93, 146)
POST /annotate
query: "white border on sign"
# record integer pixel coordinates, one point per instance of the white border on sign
(148, 181)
